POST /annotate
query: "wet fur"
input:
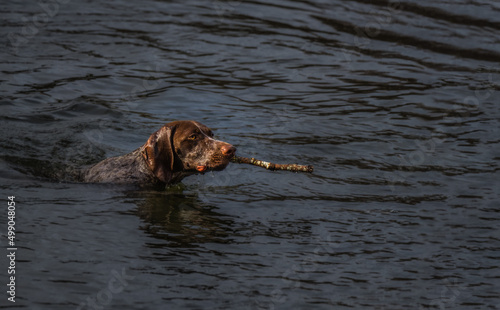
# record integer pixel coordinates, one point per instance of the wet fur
(170, 154)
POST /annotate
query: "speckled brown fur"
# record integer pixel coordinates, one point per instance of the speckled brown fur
(176, 150)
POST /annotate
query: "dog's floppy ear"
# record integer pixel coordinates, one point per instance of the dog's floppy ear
(158, 152)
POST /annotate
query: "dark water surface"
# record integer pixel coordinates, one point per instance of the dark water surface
(396, 104)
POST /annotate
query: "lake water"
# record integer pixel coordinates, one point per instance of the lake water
(394, 103)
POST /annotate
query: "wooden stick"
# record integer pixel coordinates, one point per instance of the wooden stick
(271, 166)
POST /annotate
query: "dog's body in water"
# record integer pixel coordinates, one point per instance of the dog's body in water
(176, 150)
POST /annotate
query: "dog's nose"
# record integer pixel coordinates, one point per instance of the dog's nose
(228, 150)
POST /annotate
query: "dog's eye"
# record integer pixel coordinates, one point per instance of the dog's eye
(193, 137)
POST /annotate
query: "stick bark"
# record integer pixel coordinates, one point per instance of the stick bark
(272, 166)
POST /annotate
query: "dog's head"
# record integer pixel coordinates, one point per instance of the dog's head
(185, 146)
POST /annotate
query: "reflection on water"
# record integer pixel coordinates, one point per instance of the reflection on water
(181, 220)
(393, 102)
